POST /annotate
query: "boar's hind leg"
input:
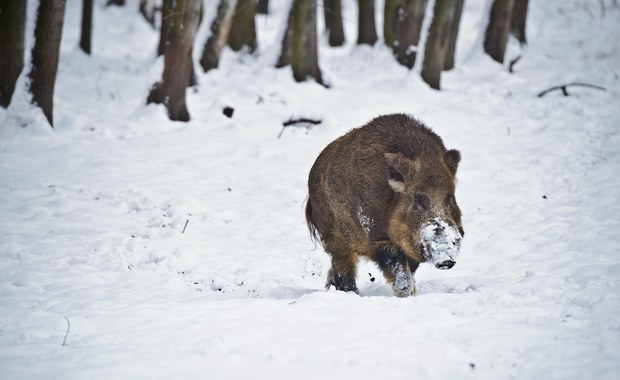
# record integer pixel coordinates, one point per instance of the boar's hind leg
(395, 267)
(343, 271)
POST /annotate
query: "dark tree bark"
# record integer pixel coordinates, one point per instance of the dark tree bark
(496, 34)
(47, 35)
(332, 10)
(263, 7)
(243, 29)
(192, 80)
(366, 29)
(408, 29)
(87, 26)
(166, 21)
(454, 32)
(299, 47)
(519, 15)
(171, 90)
(390, 16)
(12, 23)
(220, 29)
(437, 42)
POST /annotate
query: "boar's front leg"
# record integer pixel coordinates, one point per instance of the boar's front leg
(395, 267)
(413, 266)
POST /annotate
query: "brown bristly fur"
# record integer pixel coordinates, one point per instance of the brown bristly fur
(371, 190)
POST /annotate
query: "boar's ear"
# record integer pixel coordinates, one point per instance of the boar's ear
(452, 159)
(396, 171)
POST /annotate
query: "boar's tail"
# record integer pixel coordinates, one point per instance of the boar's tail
(314, 230)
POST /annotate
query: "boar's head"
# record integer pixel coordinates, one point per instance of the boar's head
(424, 219)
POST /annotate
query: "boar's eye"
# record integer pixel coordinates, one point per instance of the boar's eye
(422, 202)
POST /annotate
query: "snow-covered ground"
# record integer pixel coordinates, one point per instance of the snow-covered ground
(180, 251)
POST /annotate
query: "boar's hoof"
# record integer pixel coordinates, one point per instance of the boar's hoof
(445, 264)
(402, 293)
(340, 282)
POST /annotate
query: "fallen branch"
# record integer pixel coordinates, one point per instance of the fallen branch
(302, 122)
(185, 226)
(512, 63)
(565, 91)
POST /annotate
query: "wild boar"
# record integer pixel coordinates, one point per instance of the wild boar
(385, 191)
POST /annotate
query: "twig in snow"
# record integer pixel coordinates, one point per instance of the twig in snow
(564, 88)
(302, 122)
(64, 341)
(512, 63)
(185, 226)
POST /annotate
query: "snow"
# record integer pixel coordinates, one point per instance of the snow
(365, 221)
(179, 250)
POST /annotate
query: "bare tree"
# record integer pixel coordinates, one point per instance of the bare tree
(47, 34)
(408, 27)
(243, 29)
(332, 10)
(497, 30)
(448, 63)
(299, 46)
(366, 29)
(391, 10)
(438, 42)
(519, 14)
(12, 22)
(166, 20)
(87, 26)
(170, 91)
(220, 29)
(262, 7)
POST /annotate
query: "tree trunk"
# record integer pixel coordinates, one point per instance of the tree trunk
(496, 34)
(262, 7)
(366, 29)
(454, 32)
(243, 29)
(410, 17)
(12, 23)
(47, 35)
(220, 29)
(299, 47)
(437, 42)
(171, 90)
(332, 10)
(390, 16)
(166, 21)
(87, 26)
(519, 15)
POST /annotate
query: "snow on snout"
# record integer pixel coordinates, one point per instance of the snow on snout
(441, 243)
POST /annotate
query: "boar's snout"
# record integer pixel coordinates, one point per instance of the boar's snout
(440, 243)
